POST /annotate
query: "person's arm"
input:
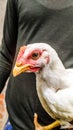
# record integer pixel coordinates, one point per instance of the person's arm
(8, 46)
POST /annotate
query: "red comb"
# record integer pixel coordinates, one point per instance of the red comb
(21, 52)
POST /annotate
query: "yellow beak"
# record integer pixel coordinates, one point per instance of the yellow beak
(19, 69)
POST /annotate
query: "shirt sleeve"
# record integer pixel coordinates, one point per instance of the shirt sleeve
(9, 40)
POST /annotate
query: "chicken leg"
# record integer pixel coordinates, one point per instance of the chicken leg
(48, 127)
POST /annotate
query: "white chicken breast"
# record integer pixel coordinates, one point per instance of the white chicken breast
(54, 83)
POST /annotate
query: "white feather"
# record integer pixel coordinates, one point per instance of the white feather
(54, 86)
(54, 83)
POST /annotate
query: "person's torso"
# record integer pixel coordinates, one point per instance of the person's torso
(37, 23)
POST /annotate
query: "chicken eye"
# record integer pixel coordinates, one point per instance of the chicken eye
(35, 55)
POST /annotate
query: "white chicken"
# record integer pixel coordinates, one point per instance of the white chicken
(54, 83)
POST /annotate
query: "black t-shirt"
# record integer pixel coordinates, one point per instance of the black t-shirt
(28, 21)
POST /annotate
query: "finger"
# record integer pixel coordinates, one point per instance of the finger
(36, 120)
(2, 96)
(1, 116)
(1, 102)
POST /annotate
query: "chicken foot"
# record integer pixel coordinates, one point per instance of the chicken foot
(48, 127)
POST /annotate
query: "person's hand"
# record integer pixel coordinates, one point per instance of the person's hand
(40, 127)
(2, 105)
(37, 125)
(3, 111)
